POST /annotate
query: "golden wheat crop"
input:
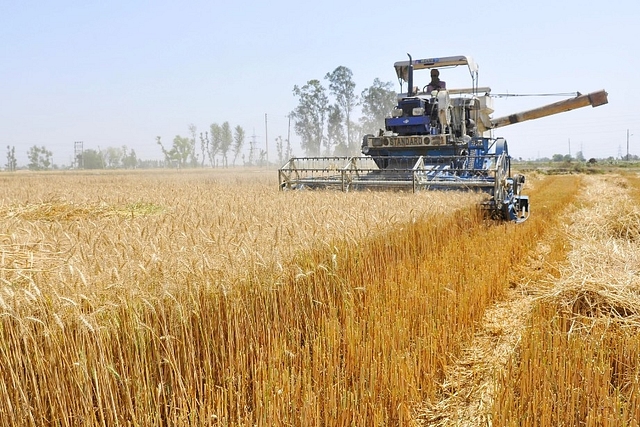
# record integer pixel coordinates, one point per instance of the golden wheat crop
(209, 298)
(119, 282)
(89, 231)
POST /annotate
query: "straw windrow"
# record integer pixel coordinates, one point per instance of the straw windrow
(579, 360)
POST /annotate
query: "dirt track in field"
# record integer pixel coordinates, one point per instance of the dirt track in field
(593, 256)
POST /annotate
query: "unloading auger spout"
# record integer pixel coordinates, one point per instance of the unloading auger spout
(595, 99)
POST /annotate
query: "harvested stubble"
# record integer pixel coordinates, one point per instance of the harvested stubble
(579, 363)
(468, 389)
(234, 304)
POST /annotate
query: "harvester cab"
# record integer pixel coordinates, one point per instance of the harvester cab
(435, 139)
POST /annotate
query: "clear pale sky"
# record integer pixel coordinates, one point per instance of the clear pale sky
(123, 72)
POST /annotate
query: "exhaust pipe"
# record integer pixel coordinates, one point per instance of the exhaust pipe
(410, 76)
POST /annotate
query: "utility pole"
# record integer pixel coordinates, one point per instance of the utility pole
(266, 139)
(627, 145)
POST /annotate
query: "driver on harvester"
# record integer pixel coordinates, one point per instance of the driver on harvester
(436, 83)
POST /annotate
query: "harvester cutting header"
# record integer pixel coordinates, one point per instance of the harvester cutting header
(437, 138)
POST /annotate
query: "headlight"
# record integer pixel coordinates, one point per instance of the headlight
(396, 112)
(418, 111)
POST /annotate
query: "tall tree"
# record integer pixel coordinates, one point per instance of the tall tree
(130, 159)
(238, 142)
(183, 149)
(92, 159)
(193, 131)
(310, 115)
(12, 163)
(39, 158)
(225, 142)
(280, 150)
(343, 87)
(378, 101)
(180, 153)
(113, 157)
(335, 141)
(168, 155)
(288, 152)
(204, 145)
(216, 141)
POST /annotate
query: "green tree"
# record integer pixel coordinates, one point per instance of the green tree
(335, 133)
(238, 142)
(39, 158)
(288, 152)
(12, 163)
(225, 142)
(342, 87)
(113, 157)
(557, 158)
(180, 152)
(310, 115)
(204, 145)
(193, 131)
(216, 142)
(280, 150)
(130, 159)
(92, 159)
(580, 156)
(357, 134)
(78, 161)
(183, 148)
(283, 150)
(378, 101)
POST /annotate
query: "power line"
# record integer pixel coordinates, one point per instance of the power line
(508, 95)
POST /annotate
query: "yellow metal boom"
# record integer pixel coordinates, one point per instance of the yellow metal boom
(594, 99)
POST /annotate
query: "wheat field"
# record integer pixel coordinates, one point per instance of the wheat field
(211, 298)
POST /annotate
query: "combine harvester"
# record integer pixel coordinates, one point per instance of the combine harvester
(435, 139)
